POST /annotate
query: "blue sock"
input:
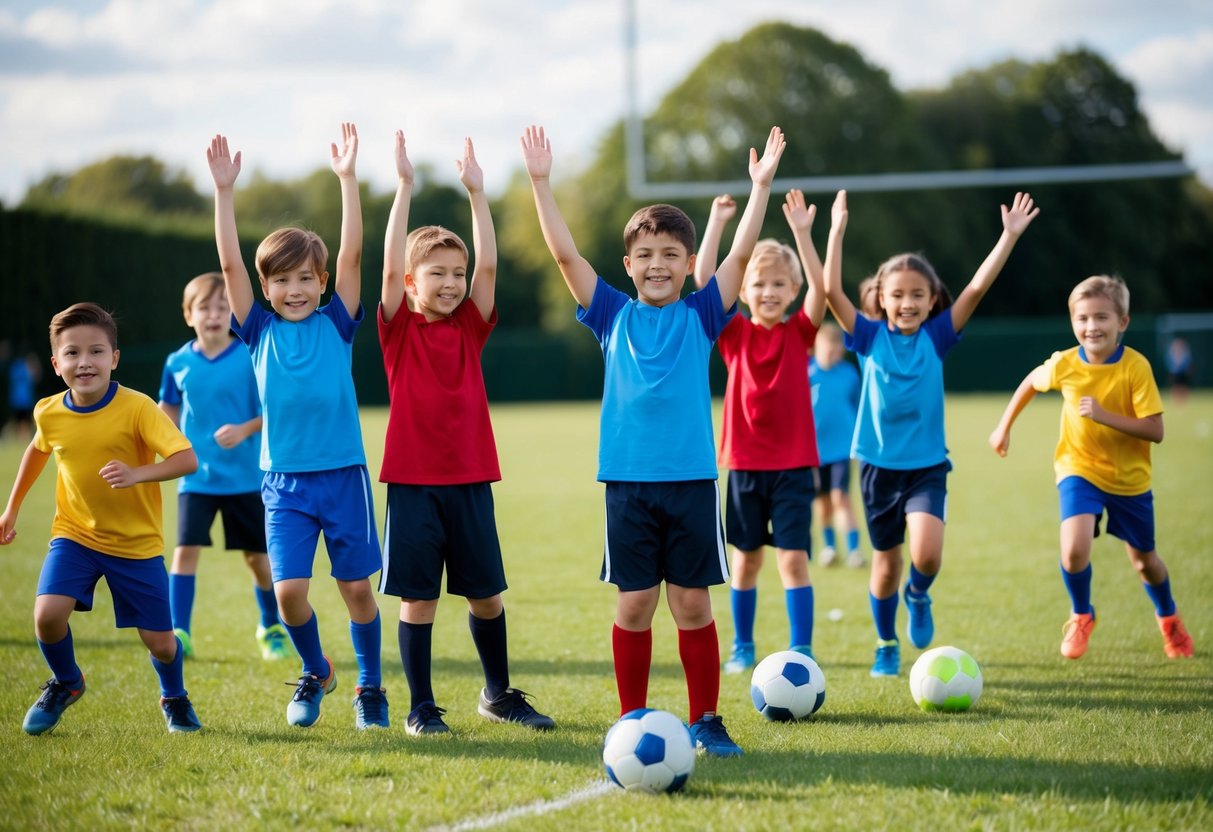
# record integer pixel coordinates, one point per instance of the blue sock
(852, 540)
(488, 634)
(744, 603)
(884, 613)
(181, 599)
(1078, 584)
(368, 639)
(306, 638)
(1160, 594)
(799, 602)
(920, 583)
(415, 648)
(827, 536)
(61, 656)
(268, 604)
(172, 679)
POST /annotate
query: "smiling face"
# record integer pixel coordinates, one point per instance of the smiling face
(84, 358)
(658, 264)
(768, 291)
(439, 283)
(1098, 325)
(907, 299)
(295, 293)
(211, 318)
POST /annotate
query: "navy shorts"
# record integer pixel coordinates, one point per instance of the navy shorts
(243, 520)
(139, 586)
(1129, 518)
(663, 531)
(430, 527)
(889, 495)
(299, 506)
(770, 507)
(834, 475)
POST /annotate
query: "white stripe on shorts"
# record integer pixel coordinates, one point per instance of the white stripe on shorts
(606, 551)
(387, 537)
(720, 553)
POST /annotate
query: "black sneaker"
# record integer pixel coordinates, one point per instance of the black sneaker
(179, 714)
(426, 718)
(511, 706)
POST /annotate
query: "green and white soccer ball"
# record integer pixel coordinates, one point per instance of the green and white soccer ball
(945, 679)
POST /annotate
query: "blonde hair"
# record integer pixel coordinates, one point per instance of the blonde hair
(1102, 286)
(770, 253)
(289, 248)
(423, 241)
(829, 331)
(201, 288)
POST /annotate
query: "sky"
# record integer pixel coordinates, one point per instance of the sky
(81, 80)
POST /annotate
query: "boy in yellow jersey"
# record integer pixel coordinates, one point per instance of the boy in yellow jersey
(1111, 413)
(107, 524)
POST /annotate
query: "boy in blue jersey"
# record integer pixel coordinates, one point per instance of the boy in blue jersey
(834, 382)
(656, 451)
(209, 391)
(311, 441)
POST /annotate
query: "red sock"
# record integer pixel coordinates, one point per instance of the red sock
(633, 651)
(700, 654)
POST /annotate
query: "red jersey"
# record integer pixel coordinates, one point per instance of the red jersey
(438, 428)
(768, 406)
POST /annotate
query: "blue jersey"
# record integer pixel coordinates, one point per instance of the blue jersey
(900, 424)
(211, 393)
(656, 421)
(308, 404)
(835, 404)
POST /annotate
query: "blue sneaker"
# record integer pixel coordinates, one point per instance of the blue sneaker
(370, 708)
(304, 708)
(710, 737)
(922, 623)
(888, 658)
(179, 714)
(742, 658)
(56, 697)
(804, 650)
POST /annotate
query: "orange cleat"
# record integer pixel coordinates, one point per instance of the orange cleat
(1176, 642)
(1075, 634)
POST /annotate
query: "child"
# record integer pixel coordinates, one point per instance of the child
(105, 438)
(311, 442)
(208, 389)
(767, 439)
(835, 385)
(656, 452)
(439, 456)
(1110, 414)
(899, 437)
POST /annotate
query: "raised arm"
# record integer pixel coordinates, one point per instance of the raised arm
(723, 209)
(349, 254)
(32, 463)
(1000, 439)
(1015, 221)
(484, 240)
(762, 173)
(800, 219)
(391, 295)
(224, 170)
(840, 304)
(577, 271)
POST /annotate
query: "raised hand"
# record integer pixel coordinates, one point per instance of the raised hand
(470, 173)
(1019, 216)
(838, 213)
(536, 153)
(404, 168)
(799, 216)
(344, 157)
(224, 168)
(723, 209)
(762, 171)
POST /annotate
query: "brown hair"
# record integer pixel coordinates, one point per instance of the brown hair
(909, 262)
(1102, 286)
(289, 248)
(84, 314)
(769, 253)
(423, 241)
(203, 287)
(868, 304)
(660, 219)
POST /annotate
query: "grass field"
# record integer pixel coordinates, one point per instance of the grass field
(1122, 739)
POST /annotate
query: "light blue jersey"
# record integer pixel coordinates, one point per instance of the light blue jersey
(656, 421)
(835, 404)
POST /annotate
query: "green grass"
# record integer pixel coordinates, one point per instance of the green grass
(1121, 739)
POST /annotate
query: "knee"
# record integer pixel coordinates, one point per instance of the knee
(486, 608)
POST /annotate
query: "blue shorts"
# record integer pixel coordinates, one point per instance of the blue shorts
(834, 475)
(770, 507)
(429, 527)
(890, 494)
(243, 520)
(299, 506)
(663, 531)
(1129, 518)
(139, 586)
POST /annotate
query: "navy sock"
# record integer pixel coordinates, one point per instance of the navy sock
(368, 640)
(827, 536)
(744, 603)
(488, 634)
(268, 604)
(884, 613)
(1160, 594)
(181, 599)
(920, 583)
(61, 656)
(306, 638)
(172, 679)
(799, 602)
(852, 540)
(415, 646)
(1078, 584)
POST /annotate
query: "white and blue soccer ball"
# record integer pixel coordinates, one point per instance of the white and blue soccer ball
(787, 686)
(945, 679)
(649, 751)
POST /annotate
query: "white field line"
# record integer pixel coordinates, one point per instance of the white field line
(541, 807)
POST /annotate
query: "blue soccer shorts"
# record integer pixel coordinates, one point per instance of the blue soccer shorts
(770, 507)
(139, 586)
(834, 475)
(890, 494)
(1129, 518)
(243, 520)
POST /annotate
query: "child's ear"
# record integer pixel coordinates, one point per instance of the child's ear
(410, 285)
(627, 264)
(55, 366)
(691, 264)
(324, 281)
(114, 366)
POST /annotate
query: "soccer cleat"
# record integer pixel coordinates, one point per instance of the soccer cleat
(187, 646)
(426, 718)
(1076, 632)
(855, 559)
(179, 714)
(1176, 642)
(888, 658)
(742, 658)
(709, 735)
(511, 706)
(804, 650)
(56, 697)
(304, 708)
(829, 556)
(922, 623)
(370, 708)
(274, 642)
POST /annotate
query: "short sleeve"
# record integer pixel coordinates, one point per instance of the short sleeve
(863, 333)
(170, 393)
(799, 321)
(1147, 401)
(942, 334)
(1050, 374)
(604, 306)
(159, 432)
(346, 326)
(254, 322)
(709, 306)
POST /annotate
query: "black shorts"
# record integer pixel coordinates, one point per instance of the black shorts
(430, 527)
(889, 495)
(663, 531)
(835, 475)
(770, 507)
(243, 520)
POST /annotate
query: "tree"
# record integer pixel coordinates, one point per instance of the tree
(134, 185)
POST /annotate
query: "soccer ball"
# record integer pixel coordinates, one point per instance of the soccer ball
(787, 686)
(649, 751)
(945, 679)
